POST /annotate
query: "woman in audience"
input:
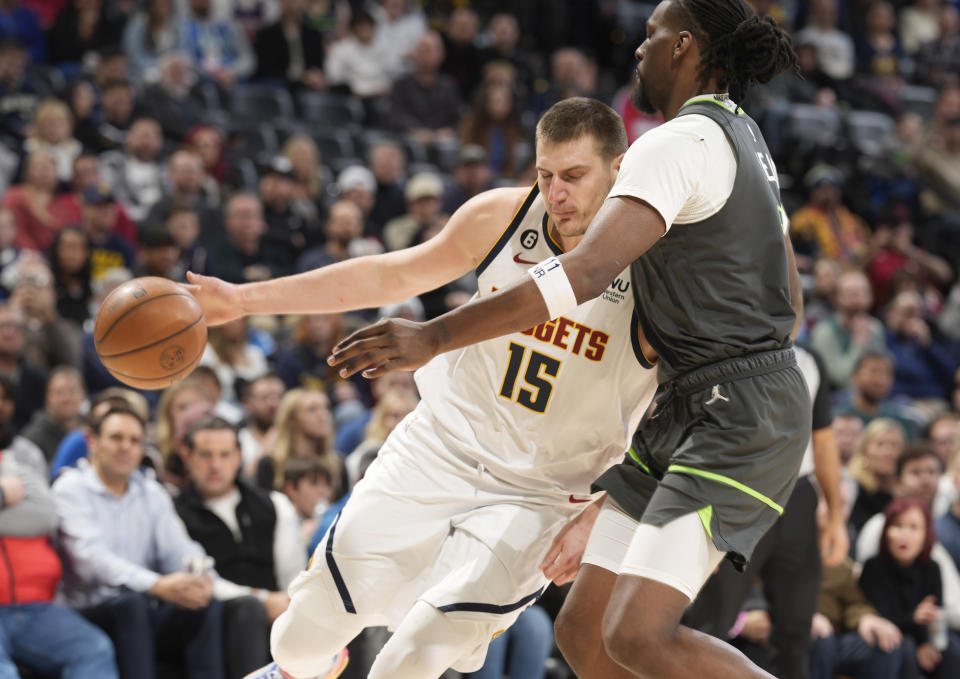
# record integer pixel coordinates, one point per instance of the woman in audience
(493, 122)
(70, 264)
(904, 585)
(52, 131)
(304, 156)
(149, 35)
(176, 400)
(305, 429)
(874, 467)
(30, 203)
(233, 357)
(392, 407)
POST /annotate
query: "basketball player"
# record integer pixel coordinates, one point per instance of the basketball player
(696, 209)
(443, 538)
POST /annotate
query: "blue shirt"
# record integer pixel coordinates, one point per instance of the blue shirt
(72, 448)
(109, 543)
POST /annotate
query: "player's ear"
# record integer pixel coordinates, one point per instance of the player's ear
(617, 161)
(684, 41)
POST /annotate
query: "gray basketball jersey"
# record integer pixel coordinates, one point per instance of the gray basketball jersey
(719, 288)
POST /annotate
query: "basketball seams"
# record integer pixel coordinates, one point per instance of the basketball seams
(137, 306)
(188, 366)
(152, 344)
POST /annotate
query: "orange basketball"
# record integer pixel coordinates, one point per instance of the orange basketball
(150, 333)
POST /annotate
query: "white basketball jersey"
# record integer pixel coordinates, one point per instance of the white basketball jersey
(551, 408)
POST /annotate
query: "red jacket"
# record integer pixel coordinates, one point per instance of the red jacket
(29, 570)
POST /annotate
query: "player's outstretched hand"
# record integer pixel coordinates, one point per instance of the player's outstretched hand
(388, 345)
(562, 561)
(219, 300)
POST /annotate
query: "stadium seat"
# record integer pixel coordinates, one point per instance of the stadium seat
(330, 110)
(919, 100)
(255, 102)
(814, 125)
(871, 133)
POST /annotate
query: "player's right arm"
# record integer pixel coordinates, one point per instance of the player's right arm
(372, 281)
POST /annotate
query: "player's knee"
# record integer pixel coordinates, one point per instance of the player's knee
(632, 645)
(569, 634)
(294, 649)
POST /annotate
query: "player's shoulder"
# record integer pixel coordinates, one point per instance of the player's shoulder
(505, 201)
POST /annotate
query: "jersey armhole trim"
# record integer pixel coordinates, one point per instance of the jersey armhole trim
(548, 237)
(510, 230)
(635, 341)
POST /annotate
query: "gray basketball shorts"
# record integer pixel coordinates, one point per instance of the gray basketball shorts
(724, 441)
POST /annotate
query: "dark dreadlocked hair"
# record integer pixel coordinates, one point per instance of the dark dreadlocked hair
(741, 48)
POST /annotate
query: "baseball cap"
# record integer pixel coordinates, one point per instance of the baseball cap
(101, 194)
(356, 177)
(423, 185)
(280, 165)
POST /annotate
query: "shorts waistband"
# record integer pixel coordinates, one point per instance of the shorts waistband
(739, 367)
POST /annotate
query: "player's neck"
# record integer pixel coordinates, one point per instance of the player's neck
(687, 91)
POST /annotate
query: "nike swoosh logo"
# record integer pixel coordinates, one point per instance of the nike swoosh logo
(519, 260)
(575, 500)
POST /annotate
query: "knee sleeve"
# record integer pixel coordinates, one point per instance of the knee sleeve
(426, 644)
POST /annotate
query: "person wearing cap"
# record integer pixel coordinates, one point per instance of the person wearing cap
(471, 176)
(422, 193)
(357, 184)
(825, 227)
(287, 224)
(158, 255)
(98, 217)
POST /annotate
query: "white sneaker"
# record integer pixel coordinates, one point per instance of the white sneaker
(272, 671)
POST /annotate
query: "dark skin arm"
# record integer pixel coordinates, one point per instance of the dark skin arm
(796, 286)
(623, 229)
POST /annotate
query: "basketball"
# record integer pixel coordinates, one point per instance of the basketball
(149, 333)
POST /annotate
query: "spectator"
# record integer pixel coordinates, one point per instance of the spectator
(504, 34)
(835, 50)
(261, 401)
(29, 380)
(358, 63)
(344, 226)
(389, 166)
(923, 367)
(825, 227)
(464, 59)
(169, 101)
(391, 408)
(847, 430)
(233, 357)
(252, 536)
(426, 104)
(422, 193)
(61, 412)
(846, 335)
(21, 23)
(919, 24)
(304, 430)
(493, 122)
(896, 257)
(522, 650)
(244, 255)
(937, 162)
(175, 400)
(52, 131)
(18, 93)
(136, 173)
(186, 190)
(948, 522)
(38, 634)
(471, 175)
(217, 46)
(159, 255)
(358, 185)
(107, 249)
(309, 485)
(9, 252)
(149, 35)
(352, 433)
(184, 226)
(67, 208)
(26, 453)
(116, 115)
(126, 553)
(874, 467)
(309, 191)
(289, 226)
(31, 203)
(81, 27)
(70, 265)
(73, 447)
(905, 586)
(869, 397)
(291, 50)
(878, 51)
(399, 27)
(943, 433)
(209, 143)
(304, 362)
(938, 61)
(50, 341)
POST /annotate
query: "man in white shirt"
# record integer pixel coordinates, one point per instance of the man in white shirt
(124, 548)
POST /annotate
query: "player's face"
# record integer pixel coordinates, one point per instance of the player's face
(905, 536)
(117, 451)
(652, 77)
(214, 462)
(574, 180)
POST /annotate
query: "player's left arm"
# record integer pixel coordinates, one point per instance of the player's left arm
(623, 229)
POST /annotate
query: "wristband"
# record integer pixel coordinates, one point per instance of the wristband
(554, 287)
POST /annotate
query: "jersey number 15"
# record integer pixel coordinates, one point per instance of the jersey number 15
(537, 396)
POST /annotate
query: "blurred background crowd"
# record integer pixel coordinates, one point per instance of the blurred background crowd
(249, 139)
